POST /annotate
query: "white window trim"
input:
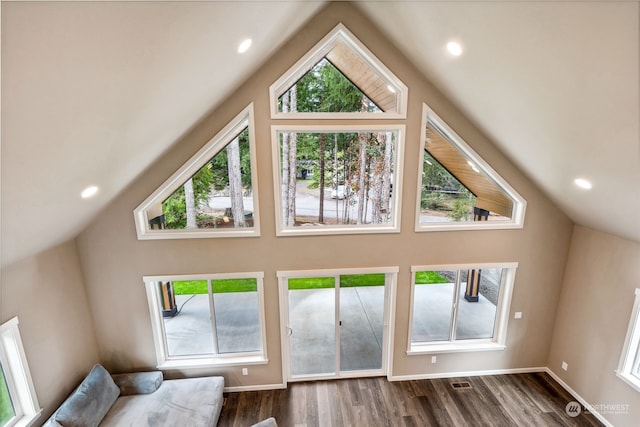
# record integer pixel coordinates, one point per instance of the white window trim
(19, 382)
(243, 120)
(630, 357)
(498, 342)
(165, 361)
(391, 280)
(393, 227)
(319, 51)
(519, 203)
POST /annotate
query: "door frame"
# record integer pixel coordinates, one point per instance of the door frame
(391, 278)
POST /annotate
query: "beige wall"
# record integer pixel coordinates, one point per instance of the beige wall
(114, 261)
(593, 314)
(47, 294)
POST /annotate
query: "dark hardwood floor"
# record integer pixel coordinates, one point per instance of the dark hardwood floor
(498, 400)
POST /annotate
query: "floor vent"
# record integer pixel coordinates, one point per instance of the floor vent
(462, 385)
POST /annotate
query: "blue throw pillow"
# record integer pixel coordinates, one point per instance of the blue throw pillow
(91, 401)
(138, 383)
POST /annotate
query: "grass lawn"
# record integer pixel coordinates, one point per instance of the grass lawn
(191, 287)
(346, 281)
(429, 278)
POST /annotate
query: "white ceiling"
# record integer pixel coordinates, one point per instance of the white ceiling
(93, 92)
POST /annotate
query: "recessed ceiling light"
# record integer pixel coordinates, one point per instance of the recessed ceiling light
(244, 46)
(89, 192)
(583, 183)
(454, 48)
(391, 89)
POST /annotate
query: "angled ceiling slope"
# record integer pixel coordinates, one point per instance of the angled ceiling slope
(112, 83)
(94, 92)
(559, 98)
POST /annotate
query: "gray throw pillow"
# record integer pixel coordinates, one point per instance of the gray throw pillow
(91, 401)
(138, 382)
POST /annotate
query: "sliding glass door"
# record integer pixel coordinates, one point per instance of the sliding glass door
(334, 325)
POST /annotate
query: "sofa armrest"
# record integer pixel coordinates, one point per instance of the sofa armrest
(269, 422)
(138, 382)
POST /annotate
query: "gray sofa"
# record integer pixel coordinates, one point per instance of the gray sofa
(140, 399)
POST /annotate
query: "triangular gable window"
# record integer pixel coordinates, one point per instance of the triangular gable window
(342, 77)
(457, 188)
(213, 195)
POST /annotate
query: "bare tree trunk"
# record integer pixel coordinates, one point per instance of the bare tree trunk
(362, 152)
(367, 186)
(346, 159)
(323, 139)
(235, 183)
(189, 200)
(335, 173)
(284, 184)
(293, 154)
(362, 145)
(386, 173)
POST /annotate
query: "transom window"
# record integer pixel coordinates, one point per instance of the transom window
(213, 195)
(457, 189)
(337, 180)
(460, 307)
(18, 400)
(202, 320)
(629, 366)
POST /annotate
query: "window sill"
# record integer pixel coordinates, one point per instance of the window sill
(337, 230)
(208, 362)
(419, 349)
(28, 420)
(631, 380)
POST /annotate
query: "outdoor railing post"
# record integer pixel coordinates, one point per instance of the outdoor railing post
(473, 276)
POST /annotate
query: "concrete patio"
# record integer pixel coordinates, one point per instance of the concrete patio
(312, 323)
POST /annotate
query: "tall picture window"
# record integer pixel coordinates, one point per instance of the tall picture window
(334, 180)
(460, 307)
(629, 366)
(18, 400)
(205, 320)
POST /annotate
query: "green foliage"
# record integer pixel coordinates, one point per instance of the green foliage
(213, 175)
(433, 201)
(175, 207)
(435, 176)
(6, 408)
(325, 89)
(461, 210)
(429, 278)
(441, 191)
(219, 164)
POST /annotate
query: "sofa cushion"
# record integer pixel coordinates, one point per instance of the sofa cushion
(269, 422)
(184, 402)
(91, 400)
(138, 382)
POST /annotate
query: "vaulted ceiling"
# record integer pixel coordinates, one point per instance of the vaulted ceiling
(94, 92)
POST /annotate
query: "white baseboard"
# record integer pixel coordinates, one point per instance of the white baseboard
(259, 387)
(579, 398)
(466, 374)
